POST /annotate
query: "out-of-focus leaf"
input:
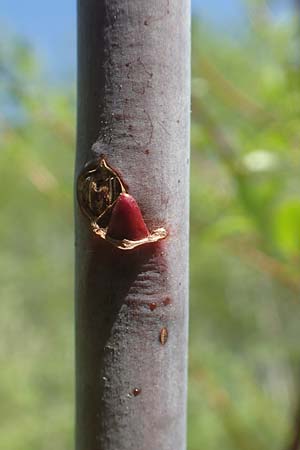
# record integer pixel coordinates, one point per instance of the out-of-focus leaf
(287, 227)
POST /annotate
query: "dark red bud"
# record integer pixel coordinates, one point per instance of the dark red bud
(126, 220)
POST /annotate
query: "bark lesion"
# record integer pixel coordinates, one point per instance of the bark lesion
(113, 214)
(98, 188)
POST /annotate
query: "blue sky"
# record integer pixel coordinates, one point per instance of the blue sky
(50, 25)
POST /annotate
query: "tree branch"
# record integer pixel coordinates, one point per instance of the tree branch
(131, 305)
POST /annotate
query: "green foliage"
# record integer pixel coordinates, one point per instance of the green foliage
(245, 252)
(245, 244)
(36, 228)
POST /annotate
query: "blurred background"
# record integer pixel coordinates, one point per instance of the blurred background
(244, 389)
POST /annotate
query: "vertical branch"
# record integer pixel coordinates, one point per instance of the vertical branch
(131, 305)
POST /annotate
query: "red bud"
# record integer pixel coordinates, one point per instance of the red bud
(126, 220)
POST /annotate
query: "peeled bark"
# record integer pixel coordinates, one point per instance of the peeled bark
(132, 304)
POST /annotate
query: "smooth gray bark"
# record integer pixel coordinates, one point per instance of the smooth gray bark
(132, 306)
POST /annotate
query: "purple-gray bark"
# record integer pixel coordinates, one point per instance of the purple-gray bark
(132, 306)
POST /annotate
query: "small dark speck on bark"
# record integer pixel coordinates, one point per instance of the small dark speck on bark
(167, 301)
(136, 391)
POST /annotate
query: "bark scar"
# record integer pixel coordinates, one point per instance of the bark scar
(157, 18)
(112, 213)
